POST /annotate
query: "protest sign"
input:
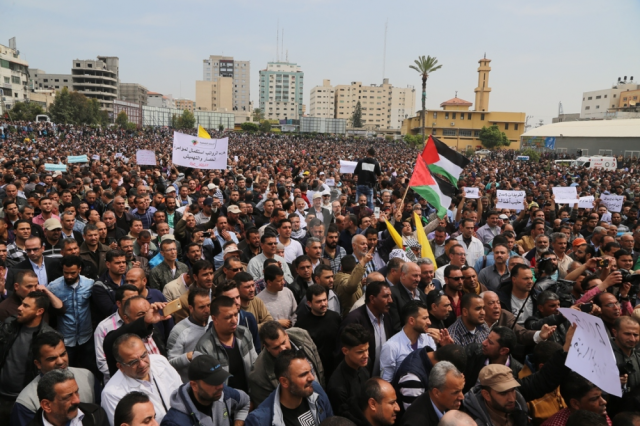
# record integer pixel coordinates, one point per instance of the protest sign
(565, 194)
(613, 202)
(146, 157)
(586, 202)
(201, 153)
(55, 167)
(330, 182)
(118, 155)
(95, 157)
(77, 159)
(347, 166)
(591, 354)
(470, 192)
(510, 200)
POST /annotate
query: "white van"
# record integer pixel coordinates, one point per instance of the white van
(598, 162)
(42, 118)
(566, 163)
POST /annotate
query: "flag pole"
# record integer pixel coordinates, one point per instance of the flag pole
(405, 195)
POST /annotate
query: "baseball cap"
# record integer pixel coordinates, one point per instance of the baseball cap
(317, 195)
(208, 202)
(234, 209)
(498, 377)
(51, 224)
(231, 248)
(503, 217)
(167, 237)
(212, 187)
(170, 189)
(207, 369)
(579, 241)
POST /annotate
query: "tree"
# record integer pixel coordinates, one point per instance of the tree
(424, 67)
(534, 156)
(122, 119)
(413, 140)
(62, 108)
(258, 115)
(492, 137)
(75, 108)
(220, 127)
(25, 111)
(248, 126)
(356, 117)
(187, 120)
(265, 126)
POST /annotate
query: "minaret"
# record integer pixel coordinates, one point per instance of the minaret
(483, 89)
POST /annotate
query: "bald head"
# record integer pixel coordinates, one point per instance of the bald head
(456, 418)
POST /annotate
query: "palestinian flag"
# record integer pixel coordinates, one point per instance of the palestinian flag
(443, 160)
(436, 191)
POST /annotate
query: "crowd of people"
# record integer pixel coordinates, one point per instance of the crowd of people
(274, 293)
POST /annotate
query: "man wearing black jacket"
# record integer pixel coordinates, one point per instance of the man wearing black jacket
(376, 309)
(35, 253)
(367, 170)
(351, 374)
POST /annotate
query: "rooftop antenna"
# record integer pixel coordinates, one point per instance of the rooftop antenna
(282, 41)
(384, 50)
(456, 94)
(287, 55)
(278, 42)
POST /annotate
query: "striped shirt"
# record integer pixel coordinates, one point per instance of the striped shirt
(464, 337)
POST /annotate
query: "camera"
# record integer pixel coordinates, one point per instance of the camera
(603, 263)
(634, 279)
(586, 307)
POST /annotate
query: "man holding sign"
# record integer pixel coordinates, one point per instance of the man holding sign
(367, 172)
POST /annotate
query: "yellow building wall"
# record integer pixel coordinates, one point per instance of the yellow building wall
(441, 123)
(629, 98)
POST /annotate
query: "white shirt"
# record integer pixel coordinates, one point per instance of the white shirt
(292, 250)
(76, 421)
(475, 250)
(163, 381)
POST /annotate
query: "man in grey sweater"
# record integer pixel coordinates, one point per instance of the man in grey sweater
(185, 335)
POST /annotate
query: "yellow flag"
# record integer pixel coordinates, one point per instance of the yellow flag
(422, 239)
(202, 133)
(394, 234)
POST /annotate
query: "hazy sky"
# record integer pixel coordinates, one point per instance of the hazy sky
(542, 51)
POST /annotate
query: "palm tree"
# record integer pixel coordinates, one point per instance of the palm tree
(424, 67)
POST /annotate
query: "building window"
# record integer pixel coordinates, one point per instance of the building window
(476, 133)
(453, 116)
(446, 115)
(465, 133)
(461, 116)
(469, 116)
(77, 64)
(588, 107)
(482, 117)
(589, 98)
(605, 96)
(598, 97)
(598, 106)
(506, 126)
(448, 132)
(515, 126)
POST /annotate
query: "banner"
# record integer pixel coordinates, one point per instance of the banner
(613, 202)
(347, 166)
(471, 192)
(77, 159)
(565, 194)
(512, 200)
(95, 157)
(146, 157)
(586, 202)
(330, 182)
(591, 354)
(55, 167)
(200, 153)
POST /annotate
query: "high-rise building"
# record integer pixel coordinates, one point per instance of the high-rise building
(215, 95)
(281, 89)
(217, 67)
(134, 92)
(383, 106)
(322, 101)
(14, 75)
(155, 99)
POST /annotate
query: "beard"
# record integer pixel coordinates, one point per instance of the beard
(72, 281)
(304, 392)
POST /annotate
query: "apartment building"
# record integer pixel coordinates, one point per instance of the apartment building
(134, 92)
(281, 89)
(322, 100)
(14, 74)
(185, 104)
(217, 67)
(216, 95)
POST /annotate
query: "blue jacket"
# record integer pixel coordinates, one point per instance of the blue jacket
(248, 320)
(232, 406)
(75, 324)
(270, 414)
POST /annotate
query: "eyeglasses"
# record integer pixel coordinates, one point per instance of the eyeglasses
(134, 363)
(611, 305)
(236, 269)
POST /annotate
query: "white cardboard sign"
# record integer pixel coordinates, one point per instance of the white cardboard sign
(591, 354)
(586, 202)
(613, 202)
(347, 166)
(146, 157)
(200, 153)
(565, 194)
(471, 192)
(510, 199)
